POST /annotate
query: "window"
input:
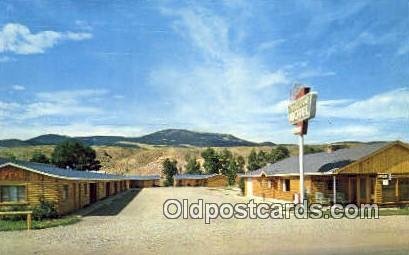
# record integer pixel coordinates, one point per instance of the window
(12, 193)
(65, 193)
(286, 185)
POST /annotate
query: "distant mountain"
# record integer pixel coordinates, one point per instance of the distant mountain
(181, 137)
(49, 139)
(12, 143)
(168, 137)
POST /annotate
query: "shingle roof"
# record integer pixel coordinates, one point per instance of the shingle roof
(319, 162)
(61, 172)
(193, 176)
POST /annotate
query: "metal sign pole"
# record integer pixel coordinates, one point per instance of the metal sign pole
(301, 160)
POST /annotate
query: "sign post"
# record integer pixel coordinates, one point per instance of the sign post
(300, 110)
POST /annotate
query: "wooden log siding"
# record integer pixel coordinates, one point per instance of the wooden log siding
(216, 181)
(273, 187)
(52, 189)
(37, 186)
(144, 183)
(394, 160)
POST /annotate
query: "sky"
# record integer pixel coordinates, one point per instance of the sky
(129, 68)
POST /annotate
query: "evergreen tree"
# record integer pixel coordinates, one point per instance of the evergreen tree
(39, 158)
(211, 161)
(169, 169)
(240, 164)
(232, 170)
(192, 165)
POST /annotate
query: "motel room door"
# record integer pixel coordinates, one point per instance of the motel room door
(108, 189)
(352, 190)
(92, 192)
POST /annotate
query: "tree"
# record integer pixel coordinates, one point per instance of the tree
(169, 169)
(192, 165)
(39, 158)
(256, 160)
(310, 149)
(241, 162)
(232, 171)
(225, 157)
(252, 161)
(211, 161)
(75, 155)
(277, 154)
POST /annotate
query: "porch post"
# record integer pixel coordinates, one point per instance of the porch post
(334, 188)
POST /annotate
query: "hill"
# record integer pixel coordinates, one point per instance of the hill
(181, 137)
(168, 137)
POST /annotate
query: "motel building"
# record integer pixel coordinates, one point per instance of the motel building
(205, 180)
(373, 173)
(27, 183)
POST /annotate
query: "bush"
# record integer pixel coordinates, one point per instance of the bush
(45, 210)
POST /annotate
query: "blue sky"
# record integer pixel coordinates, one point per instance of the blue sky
(134, 67)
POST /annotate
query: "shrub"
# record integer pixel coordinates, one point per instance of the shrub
(45, 210)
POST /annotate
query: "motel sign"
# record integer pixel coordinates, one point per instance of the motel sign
(303, 108)
(300, 110)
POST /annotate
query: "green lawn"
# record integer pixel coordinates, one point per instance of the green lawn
(395, 211)
(8, 225)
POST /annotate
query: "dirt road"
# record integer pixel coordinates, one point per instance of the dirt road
(135, 224)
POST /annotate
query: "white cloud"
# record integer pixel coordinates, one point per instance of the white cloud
(7, 108)
(385, 106)
(228, 88)
(351, 131)
(270, 44)
(4, 59)
(30, 130)
(18, 87)
(314, 73)
(57, 103)
(19, 39)
(389, 105)
(404, 48)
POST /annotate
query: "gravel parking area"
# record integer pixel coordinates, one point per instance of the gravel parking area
(134, 224)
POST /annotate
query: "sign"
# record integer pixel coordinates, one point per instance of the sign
(385, 182)
(384, 176)
(303, 108)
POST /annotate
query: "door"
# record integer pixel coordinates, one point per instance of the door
(353, 190)
(403, 189)
(108, 189)
(92, 192)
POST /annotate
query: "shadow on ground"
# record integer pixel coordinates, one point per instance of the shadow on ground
(115, 206)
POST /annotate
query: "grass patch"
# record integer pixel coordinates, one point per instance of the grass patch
(9, 225)
(395, 211)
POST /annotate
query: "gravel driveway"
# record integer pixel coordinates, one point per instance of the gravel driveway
(134, 224)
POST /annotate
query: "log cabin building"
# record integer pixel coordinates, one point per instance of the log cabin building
(27, 183)
(205, 180)
(146, 181)
(371, 173)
